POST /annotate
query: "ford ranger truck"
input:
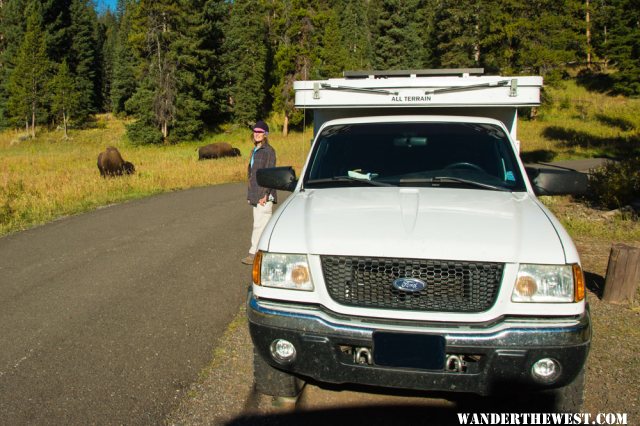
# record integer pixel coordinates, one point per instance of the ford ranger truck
(414, 254)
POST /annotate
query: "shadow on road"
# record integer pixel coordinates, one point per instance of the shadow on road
(407, 408)
(396, 415)
(358, 416)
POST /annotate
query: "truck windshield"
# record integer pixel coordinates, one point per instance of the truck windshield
(468, 155)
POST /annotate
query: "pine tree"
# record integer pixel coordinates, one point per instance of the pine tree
(212, 71)
(144, 130)
(196, 53)
(294, 37)
(83, 57)
(458, 34)
(65, 98)
(123, 80)
(426, 19)
(334, 53)
(107, 38)
(499, 36)
(355, 34)
(603, 16)
(177, 45)
(549, 35)
(29, 76)
(624, 46)
(12, 29)
(246, 61)
(154, 28)
(397, 34)
(56, 26)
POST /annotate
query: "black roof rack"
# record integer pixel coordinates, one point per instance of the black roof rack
(414, 73)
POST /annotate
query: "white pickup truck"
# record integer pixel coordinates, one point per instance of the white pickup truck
(413, 252)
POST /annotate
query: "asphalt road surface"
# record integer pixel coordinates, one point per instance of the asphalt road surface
(107, 317)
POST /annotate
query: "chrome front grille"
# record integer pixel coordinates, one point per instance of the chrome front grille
(451, 286)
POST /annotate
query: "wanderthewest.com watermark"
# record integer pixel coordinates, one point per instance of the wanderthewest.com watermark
(542, 419)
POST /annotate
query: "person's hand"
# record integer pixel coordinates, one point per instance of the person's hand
(263, 200)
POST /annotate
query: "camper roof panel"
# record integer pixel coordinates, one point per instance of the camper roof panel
(424, 92)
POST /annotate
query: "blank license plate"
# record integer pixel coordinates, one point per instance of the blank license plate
(403, 350)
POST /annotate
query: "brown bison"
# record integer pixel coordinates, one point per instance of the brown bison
(111, 163)
(217, 150)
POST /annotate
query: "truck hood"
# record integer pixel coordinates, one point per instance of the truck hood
(430, 223)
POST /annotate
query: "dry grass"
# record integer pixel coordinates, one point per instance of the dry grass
(49, 177)
(576, 123)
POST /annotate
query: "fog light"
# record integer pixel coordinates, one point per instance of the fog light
(546, 370)
(283, 350)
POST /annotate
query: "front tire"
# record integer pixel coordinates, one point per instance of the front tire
(271, 381)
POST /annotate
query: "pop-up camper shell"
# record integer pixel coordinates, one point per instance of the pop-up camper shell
(462, 92)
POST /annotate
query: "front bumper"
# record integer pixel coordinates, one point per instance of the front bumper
(497, 355)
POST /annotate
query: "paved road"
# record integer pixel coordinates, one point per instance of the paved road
(585, 165)
(107, 317)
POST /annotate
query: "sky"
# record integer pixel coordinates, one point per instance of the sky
(102, 4)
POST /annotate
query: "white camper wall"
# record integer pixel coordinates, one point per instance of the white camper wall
(464, 95)
(509, 116)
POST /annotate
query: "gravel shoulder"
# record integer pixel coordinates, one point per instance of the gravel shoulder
(612, 379)
(225, 388)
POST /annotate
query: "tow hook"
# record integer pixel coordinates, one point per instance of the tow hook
(363, 356)
(455, 364)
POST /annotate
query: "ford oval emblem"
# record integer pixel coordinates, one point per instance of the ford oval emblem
(410, 285)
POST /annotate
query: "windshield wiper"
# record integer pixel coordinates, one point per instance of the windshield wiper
(438, 179)
(346, 179)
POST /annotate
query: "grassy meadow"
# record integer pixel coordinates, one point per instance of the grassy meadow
(50, 177)
(576, 123)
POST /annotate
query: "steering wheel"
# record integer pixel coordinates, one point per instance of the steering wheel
(463, 164)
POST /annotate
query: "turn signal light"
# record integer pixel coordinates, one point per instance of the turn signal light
(257, 265)
(578, 283)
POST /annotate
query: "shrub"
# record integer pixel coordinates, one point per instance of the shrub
(616, 184)
(141, 133)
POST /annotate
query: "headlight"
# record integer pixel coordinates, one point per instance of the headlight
(283, 271)
(549, 283)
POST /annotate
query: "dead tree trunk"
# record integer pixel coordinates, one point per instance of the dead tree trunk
(285, 126)
(623, 274)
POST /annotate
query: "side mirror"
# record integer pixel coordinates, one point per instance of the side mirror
(549, 180)
(283, 178)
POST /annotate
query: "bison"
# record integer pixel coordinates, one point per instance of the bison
(111, 163)
(217, 150)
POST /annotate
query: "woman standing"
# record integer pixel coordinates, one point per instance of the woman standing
(262, 199)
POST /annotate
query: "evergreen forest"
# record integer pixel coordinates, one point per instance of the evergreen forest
(176, 68)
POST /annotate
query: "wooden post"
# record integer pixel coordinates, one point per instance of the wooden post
(623, 274)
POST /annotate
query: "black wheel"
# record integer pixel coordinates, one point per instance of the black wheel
(271, 381)
(569, 399)
(464, 164)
